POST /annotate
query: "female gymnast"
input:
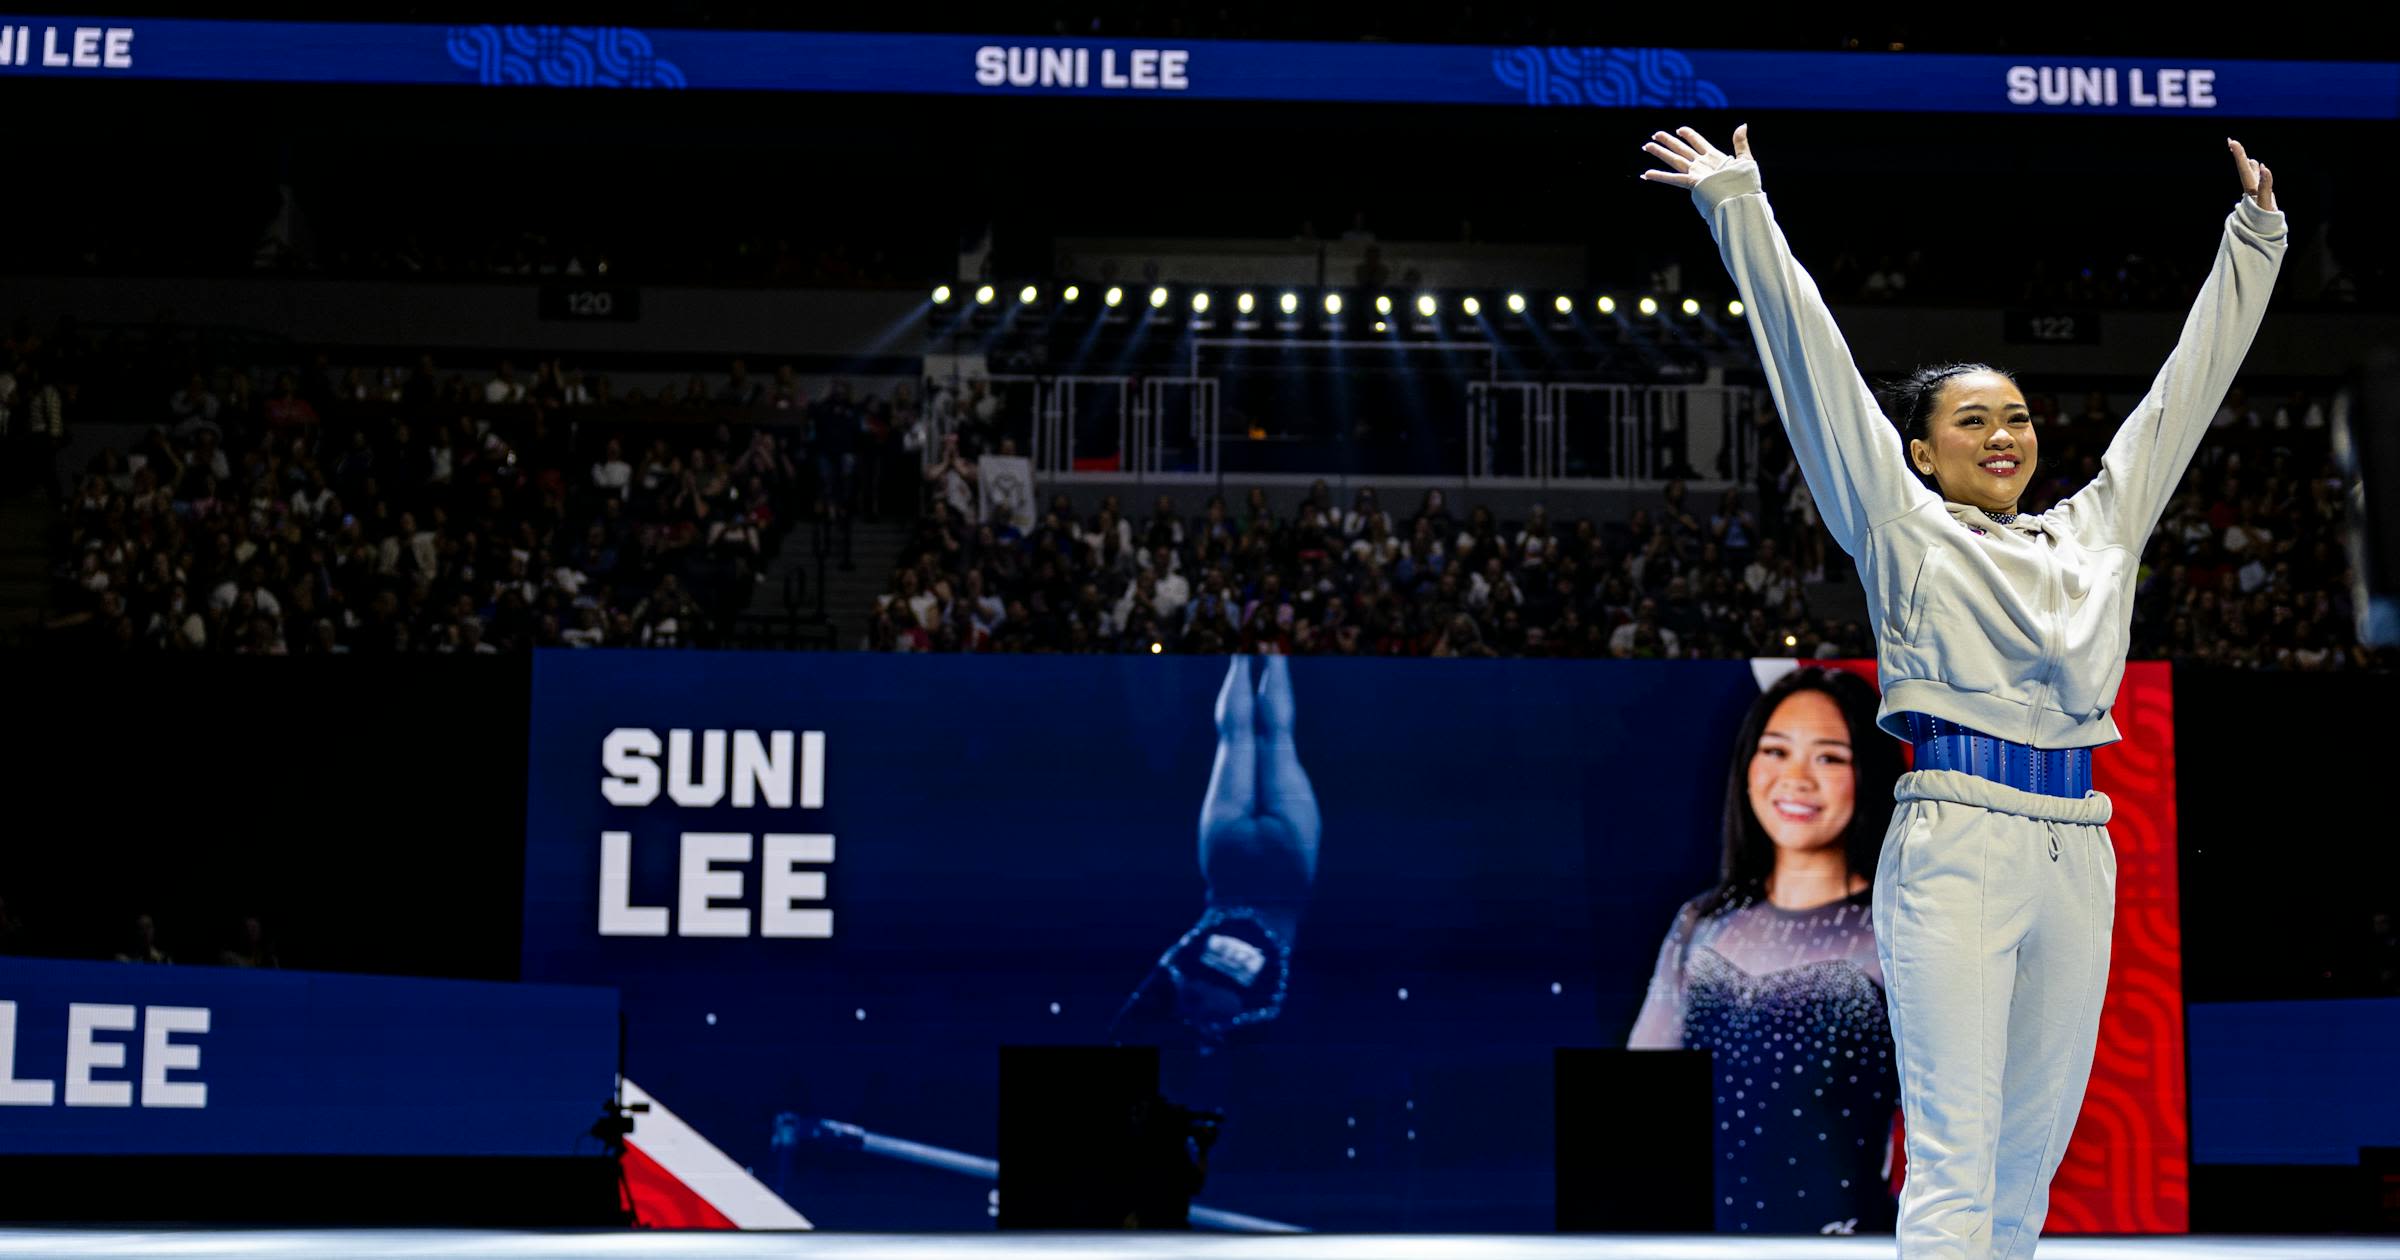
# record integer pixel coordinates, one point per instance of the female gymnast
(1259, 830)
(1774, 969)
(2000, 641)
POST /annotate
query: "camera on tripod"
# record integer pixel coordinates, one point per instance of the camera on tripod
(616, 1123)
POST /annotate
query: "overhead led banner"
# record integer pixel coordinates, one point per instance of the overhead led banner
(1219, 70)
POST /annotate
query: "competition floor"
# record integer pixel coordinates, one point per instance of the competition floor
(111, 1244)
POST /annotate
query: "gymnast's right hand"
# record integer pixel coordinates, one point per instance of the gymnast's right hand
(1689, 156)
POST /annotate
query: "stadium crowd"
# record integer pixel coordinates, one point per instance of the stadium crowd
(339, 510)
(2247, 569)
(353, 509)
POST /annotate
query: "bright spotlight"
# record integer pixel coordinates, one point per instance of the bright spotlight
(1691, 306)
(1072, 293)
(1113, 296)
(1565, 304)
(983, 296)
(1516, 303)
(1472, 307)
(1426, 306)
(1290, 302)
(1333, 303)
(1735, 308)
(1157, 648)
(941, 294)
(1381, 326)
(1200, 302)
(1383, 303)
(1029, 295)
(1158, 296)
(1244, 303)
(1790, 640)
(1608, 305)
(1649, 306)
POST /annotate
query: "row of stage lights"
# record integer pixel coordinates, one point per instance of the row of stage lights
(1245, 303)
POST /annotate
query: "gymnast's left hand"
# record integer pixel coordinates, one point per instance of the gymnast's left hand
(2258, 183)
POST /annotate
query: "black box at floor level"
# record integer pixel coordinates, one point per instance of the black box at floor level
(1634, 1140)
(2379, 1168)
(1087, 1143)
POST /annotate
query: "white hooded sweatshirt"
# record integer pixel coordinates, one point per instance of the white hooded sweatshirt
(2019, 631)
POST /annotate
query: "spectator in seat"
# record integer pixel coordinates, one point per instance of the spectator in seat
(1365, 512)
(1733, 528)
(504, 388)
(1434, 510)
(1459, 637)
(611, 475)
(786, 398)
(2235, 412)
(1643, 636)
(249, 947)
(193, 407)
(740, 391)
(285, 411)
(954, 478)
(141, 944)
(1165, 527)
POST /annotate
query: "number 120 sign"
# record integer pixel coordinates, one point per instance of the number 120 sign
(591, 302)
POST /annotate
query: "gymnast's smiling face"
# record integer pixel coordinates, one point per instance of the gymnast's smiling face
(1803, 780)
(1979, 446)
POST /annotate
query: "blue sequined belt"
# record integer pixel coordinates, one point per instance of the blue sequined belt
(1945, 745)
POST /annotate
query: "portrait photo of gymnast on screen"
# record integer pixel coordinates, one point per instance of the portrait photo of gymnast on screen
(1774, 969)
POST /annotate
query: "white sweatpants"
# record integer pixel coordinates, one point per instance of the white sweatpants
(1992, 912)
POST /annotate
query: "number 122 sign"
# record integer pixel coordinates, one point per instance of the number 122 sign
(2053, 327)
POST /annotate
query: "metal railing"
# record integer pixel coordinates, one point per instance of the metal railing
(1165, 426)
(1167, 430)
(1531, 433)
(1063, 405)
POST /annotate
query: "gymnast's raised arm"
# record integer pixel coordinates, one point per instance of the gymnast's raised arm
(2156, 443)
(1847, 449)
